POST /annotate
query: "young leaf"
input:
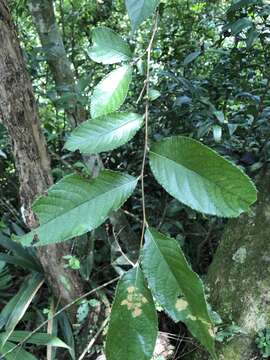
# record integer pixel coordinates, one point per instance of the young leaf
(176, 287)
(111, 92)
(140, 10)
(200, 178)
(133, 324)
(76, 205)
(108, 47)
(104, 133)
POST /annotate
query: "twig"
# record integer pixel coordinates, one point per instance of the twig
(146, 149)
(93, 340)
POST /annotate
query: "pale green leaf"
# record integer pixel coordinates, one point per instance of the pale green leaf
(104, 133)
(108, 47)
(110, 93)
(140, 10)
(76, 205)
(176, 287)
(200, 178)
(133, 323)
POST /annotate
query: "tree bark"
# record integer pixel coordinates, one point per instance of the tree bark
(19, 114)
(239, 276)
(43, 15)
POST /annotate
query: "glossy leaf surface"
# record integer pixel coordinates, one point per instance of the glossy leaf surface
(76, 205)
(108, 47)
(200, 178)
(110, 93)
(104, 133)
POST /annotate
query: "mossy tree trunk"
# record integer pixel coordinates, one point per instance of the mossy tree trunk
(239, 276)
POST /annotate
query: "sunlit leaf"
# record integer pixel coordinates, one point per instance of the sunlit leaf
(133, 323)
(108, 47)
(200, 178)
(111, 92)
(175, 286)
(140, 10)
(76, 205)
(104, 133)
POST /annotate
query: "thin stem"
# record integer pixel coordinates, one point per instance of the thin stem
(146, 148)
(93, 340)
(58, 313)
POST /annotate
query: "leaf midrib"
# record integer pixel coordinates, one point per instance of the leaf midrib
(98, 134)
(89, 200)
(204, 178)
(165, 260)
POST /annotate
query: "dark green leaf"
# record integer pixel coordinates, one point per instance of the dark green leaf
(176, 287)
(200, 178)
(191, 57)
(133, 324)
(76, 205)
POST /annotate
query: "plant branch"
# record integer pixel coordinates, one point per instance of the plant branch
(146, 148)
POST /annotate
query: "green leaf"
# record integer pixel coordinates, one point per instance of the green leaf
(191, 57)
(17, 306)
(200, 178)
(140, 10)
(154, 94)
(240, 25)
(76, 205)
(108, 47)
(133, 324)
(17, 354)
(111, 92)
(104, 133)
(176, 287)
(36, 339)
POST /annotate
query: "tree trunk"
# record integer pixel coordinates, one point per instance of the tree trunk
(43, 15)
(19, 114)
(239, 277)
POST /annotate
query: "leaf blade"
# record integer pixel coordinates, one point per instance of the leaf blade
(108, 47)
(200, 178)
(133, 318)
(111, 92)
(176, 287)
(65, 212)
(140, 10)
(104, 133)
